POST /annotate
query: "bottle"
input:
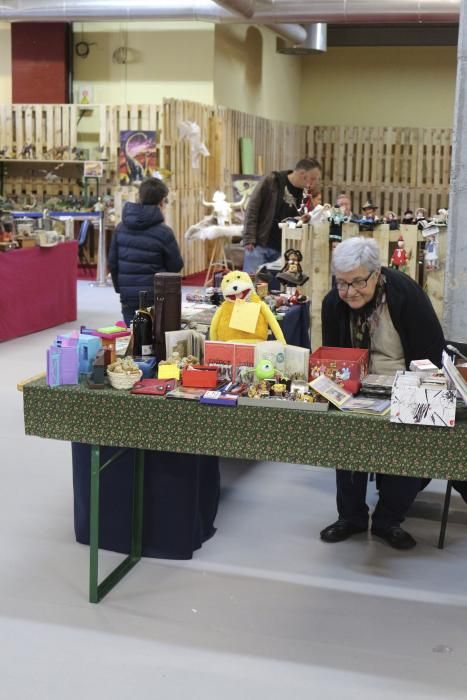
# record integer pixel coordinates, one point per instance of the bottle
(142, 329)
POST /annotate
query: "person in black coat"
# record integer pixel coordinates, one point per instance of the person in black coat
(387, 312)
(142, 245)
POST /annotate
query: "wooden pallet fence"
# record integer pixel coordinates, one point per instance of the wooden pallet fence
(397, 167)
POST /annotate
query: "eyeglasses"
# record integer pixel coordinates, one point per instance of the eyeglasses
(356, 284)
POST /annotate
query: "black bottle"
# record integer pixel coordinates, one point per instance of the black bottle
(142, 329)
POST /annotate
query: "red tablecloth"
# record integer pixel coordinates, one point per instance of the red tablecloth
(37, 289)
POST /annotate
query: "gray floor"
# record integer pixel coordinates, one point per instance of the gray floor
(264, 610)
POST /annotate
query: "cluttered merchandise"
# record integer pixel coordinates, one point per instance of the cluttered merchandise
(229, 350)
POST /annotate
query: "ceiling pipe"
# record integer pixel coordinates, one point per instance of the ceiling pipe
(294, 33)
(243, 7)
(315, 42)
(291, 32)
(279, 12)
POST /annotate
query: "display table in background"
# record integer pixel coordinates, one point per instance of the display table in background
(332, 439)
(37, 289)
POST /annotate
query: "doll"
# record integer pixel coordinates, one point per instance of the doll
(408, 217)
(369, 211)
(399, 257)
(392, 219)
(431, 253)
(369, 219)
(292, 274)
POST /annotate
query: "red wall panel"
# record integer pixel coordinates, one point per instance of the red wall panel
(40, 61)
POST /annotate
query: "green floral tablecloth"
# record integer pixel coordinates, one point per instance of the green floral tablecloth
(332, 439)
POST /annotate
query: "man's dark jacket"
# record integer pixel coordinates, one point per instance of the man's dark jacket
(411, 312)
(141, 246)
(261, 209)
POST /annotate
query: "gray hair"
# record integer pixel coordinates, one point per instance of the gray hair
(354, 252)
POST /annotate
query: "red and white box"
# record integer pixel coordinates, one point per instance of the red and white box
(347, 365)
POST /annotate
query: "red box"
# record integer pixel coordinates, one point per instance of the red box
(348, 365)
(200, 377)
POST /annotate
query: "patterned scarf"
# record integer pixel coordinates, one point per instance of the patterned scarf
(364, 320)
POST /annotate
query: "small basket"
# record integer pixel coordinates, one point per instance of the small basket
(120, 380)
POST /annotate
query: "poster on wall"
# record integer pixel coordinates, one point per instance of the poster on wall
(244, 185)
(137, 156)
(83, 93)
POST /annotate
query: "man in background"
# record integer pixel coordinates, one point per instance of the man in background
(277, 197)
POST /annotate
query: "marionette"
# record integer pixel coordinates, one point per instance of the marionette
(399, 257)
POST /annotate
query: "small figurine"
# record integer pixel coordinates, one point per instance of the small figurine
(392, 219)
(420, 214)
(408, 217)
(369, 219)
(265, 370)
(279, 389)
(399, 257)
(292, 274)
(431, 253)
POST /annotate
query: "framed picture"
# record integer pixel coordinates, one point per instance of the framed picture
(244, 184)
(137, 156)
(93, 168)
(84, 94)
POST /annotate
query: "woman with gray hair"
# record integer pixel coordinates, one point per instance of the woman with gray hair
(388, 313)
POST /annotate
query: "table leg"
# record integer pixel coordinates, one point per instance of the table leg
(97, 590)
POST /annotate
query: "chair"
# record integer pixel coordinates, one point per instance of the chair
(84, 231)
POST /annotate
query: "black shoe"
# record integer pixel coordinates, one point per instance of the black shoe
(395, 536)
(340, 530)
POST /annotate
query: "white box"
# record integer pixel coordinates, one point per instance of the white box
(417, 402)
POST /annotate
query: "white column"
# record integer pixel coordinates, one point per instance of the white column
(455, 289)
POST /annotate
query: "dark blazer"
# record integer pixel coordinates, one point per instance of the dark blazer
(411, 312)
(141, 245)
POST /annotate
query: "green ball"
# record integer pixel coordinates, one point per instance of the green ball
(265, 369)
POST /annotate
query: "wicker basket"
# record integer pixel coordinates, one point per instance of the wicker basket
(120, 380)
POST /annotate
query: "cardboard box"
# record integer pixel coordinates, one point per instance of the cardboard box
(416, 401)
(200, 376)
(344, 364)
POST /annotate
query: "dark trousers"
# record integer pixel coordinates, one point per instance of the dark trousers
(396, 495)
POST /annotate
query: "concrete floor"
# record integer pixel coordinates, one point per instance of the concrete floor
(264, 610)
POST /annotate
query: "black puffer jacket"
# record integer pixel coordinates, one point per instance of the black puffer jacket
(141, 246)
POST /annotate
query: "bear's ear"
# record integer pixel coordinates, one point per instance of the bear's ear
(289, 252)
(299, 255)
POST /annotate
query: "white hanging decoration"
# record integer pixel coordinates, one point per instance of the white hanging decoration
(191, 131)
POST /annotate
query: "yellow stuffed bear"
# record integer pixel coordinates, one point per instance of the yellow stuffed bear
(238, 286)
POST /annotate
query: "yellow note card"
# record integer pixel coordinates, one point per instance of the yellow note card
(245, 316)
(168, 372)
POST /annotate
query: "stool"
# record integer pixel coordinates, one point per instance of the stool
(218, 258)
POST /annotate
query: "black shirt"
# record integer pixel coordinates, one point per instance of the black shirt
(288, 203)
